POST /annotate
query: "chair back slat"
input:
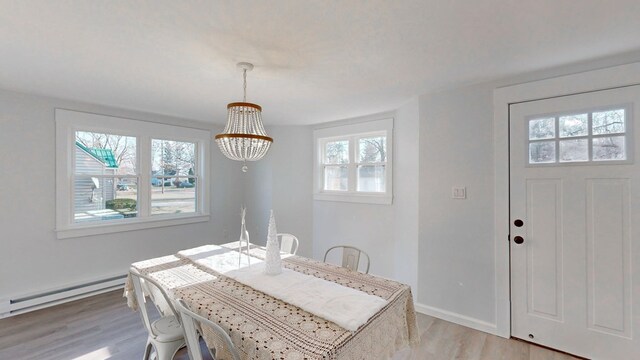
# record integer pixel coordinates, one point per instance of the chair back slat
(288, 243)
(351, 257)
(191, 322)
(192, 338)
(142, 303)
(140, 282)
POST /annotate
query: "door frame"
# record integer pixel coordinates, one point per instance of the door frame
(503, 97)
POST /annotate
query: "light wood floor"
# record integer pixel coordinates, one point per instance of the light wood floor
(103, 327)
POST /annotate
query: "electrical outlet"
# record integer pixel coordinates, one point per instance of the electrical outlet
(459, 192)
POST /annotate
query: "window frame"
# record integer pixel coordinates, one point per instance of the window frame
(68, 122)
(353, 133)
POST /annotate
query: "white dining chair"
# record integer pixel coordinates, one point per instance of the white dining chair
(166, 334)
(350, 257)
(288, 243)
(193, 325)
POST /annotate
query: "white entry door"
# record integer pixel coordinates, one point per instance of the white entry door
(575, 220)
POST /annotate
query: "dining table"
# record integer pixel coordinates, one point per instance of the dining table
(264, 325)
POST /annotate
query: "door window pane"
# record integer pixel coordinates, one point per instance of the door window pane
(595, 129)
(574, 150)
(173, 196)
(372, 149)
(371, 178)
(336, 152)
(335, 177)
(608, 122)
(103, 154)
(99, 199)
(609, 148)
(544, 128)
(574, 125)
(542, 152)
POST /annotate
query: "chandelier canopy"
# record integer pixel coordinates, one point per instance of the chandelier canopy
(244, 137)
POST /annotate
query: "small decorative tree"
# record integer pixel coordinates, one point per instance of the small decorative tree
(273, 262)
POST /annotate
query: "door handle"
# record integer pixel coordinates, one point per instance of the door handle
(518, 240)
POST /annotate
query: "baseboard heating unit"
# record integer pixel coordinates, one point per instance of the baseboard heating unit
(30, 302)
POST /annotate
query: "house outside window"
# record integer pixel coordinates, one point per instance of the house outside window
(116, 174)
(353, 163)
(95, 185)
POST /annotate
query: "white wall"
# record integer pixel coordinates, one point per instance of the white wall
(388, 233)
(406, 193)
(442, 247)
(33, 259)
(282, 181)
(456, 268)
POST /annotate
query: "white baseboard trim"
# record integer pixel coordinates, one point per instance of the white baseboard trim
(457, 318)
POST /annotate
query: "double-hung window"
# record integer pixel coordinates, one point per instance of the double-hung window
(353, 162)
(116, 174)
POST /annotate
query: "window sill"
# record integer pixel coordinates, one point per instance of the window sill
(149, 223)
(383, 199)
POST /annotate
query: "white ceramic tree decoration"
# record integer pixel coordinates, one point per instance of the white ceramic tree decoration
(273, 262)
(244, 237)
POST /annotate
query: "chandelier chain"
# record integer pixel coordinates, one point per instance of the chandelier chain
(244, 88)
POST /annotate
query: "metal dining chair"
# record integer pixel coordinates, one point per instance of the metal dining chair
(193, 325)
(288, 243)
(166, 334)
(350, 257)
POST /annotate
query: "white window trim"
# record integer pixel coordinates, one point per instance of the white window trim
(67, 122)
(351, 131)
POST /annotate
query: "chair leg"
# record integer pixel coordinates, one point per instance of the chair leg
(147, 351)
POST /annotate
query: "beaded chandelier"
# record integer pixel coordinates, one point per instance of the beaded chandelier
(244, 137)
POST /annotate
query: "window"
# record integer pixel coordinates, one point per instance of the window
(588, 137)
(105, 180)
(116, 174)
(173, 179)
(353, 162)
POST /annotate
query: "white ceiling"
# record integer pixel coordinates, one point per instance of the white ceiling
(315, 61)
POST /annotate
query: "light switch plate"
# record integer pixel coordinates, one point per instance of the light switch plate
(458, 192)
